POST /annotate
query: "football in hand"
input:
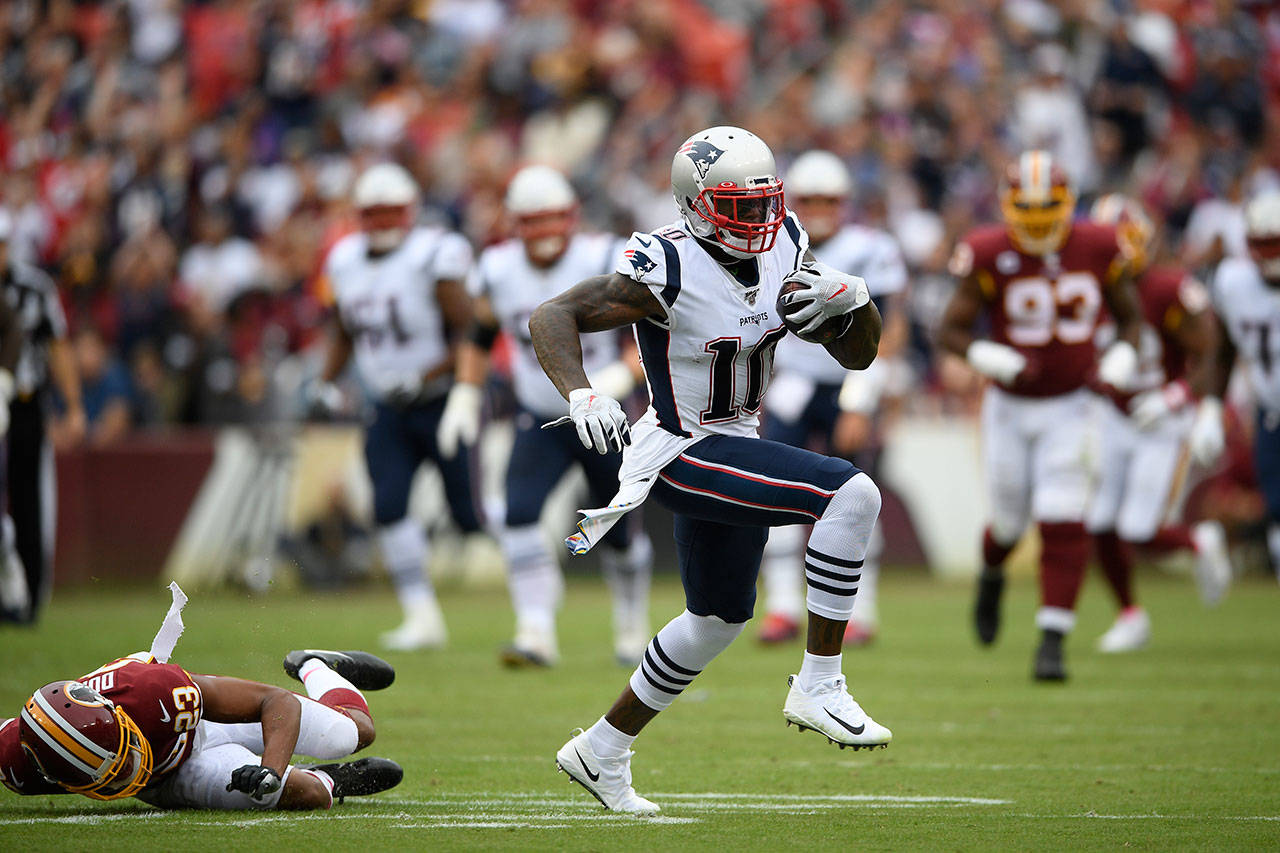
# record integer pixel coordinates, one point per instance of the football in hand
(824, 334)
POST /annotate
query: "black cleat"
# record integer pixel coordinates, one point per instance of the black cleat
(365, 671)
(360, 778)
(986, 610)
(1049, 665)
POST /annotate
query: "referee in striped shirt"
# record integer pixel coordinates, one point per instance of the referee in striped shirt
(45, 360)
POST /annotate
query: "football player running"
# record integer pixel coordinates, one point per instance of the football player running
(702, 295)
(806, 402)
(1042, 282)
(1143, 468)
(1246, 294)
(401, 302)
(139, 728)
(510, 280)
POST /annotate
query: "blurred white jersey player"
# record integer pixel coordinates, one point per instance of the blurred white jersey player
(806, 400)
(546, 257)
(1246, 294)
(399, 292)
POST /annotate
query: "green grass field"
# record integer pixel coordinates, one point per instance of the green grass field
(1177, 747)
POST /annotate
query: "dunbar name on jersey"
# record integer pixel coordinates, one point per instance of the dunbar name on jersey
(707, 363)
(515, 287)
(388, 302)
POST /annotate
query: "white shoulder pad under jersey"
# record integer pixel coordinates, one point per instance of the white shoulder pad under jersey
(1250, 310)
(387, 302)
(515, 287)
(709, 360)
(873, 255)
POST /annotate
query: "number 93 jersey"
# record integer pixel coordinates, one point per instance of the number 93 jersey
(1047, 307)
(387, 302)
(708, 362)
(514, 287)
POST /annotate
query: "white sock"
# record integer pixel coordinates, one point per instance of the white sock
(781, 569)
(865, 610)
(628, 574)
(319, 679)
(817, 668)
(404, 549)
(606, 741)
(533, 577)
(837, 547)
(680, 651)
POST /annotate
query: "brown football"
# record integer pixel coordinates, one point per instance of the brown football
(824, 334)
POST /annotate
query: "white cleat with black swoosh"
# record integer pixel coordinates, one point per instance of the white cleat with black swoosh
(608, 779)
(829, 710)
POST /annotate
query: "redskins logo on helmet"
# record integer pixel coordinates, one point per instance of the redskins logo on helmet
(1134, 229)
(1036, 202)
(83, 742)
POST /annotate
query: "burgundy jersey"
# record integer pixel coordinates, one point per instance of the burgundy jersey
(1047, 308)
(1169, 296)
(160, 697)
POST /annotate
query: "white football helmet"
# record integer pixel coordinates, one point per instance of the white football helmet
(385, 196)
(726, 184)
(544, 210)
(818, 185)
(1262, 231)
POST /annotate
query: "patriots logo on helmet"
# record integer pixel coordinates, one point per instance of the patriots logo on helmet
(640, 262)
(702, 153)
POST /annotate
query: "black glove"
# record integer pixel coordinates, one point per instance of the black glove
(255, 780)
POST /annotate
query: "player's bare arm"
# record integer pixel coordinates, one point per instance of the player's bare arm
(455, 308)
(339, 352)
(1218, 362)
(1122, 301)
(596, 304)
(1197, 335)
(235, 700)
(858, 346)
(955, 331)
(473, 351)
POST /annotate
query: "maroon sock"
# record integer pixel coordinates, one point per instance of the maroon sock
(1172, 538)
(1117, 565)
(1064, 553)
(993, 553)
(341, 699)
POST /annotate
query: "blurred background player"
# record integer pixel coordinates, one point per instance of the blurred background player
(804, 404)
(401, 306)
(15, 598)
(1143, 461)
(702, 294)
(1246, 294)
(1041, 281)
(46, 363)
(139, 728)
(546, 257)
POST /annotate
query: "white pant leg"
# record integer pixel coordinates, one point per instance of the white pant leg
(1116, 438)
(1157, 481)
(1064, 456)
(201, 781)
(1006, 462)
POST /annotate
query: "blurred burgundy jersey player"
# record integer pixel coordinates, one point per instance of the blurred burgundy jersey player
(1047, 307)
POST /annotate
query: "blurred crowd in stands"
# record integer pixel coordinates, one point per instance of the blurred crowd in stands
(181, 168)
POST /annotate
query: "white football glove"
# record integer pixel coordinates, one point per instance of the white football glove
(324, 399)
(601, 423)
(829, 292)
(1119, 365)
(1207, 439)
(6, 397)
(460, 420)
(1150, 407)
(996, 361)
